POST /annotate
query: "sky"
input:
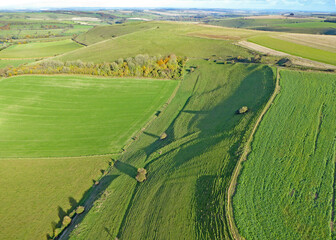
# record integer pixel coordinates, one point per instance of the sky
(306, 5)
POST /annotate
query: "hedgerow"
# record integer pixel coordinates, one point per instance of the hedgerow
(171, 67)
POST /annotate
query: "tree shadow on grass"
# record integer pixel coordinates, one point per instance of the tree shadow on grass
(151, 135)
(108, 232)
(88, 199)
(126, 168)
(215, 125)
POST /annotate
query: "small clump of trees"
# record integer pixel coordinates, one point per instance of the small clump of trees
(67, 220)
(243, 110)
(141, 176)
(163, 136)
(170, 66)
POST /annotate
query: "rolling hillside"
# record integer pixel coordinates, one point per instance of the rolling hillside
(188, 171)
(47, 119)
(165, 38)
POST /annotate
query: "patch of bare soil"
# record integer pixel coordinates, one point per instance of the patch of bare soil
(324, 42)
(295, 60)
(214, 36)
(261, 49)
(276, 17)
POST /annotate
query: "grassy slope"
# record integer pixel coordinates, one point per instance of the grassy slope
(93, 115)
(14, 63)
(35, 193)
(36, 50)
(189, 171)
(310, 25)
(74, 116)
(285, 190)
(101, 33)
(252, 23)
(296, 49)
(168, 38)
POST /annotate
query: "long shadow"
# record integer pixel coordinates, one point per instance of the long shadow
(108, 232)
(96, 191)
(151, 135)
(195, 112)
(126, 168)
(214, 126)
(159, 144)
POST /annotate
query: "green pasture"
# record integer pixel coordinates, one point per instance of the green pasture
(39, 49)
(298, 25)
(74, 116)
(63, 116)
(295, 49)
(252, 23)
(188, 172)
(36, 193)
(14, 63)
(310, 25)
(31, 30)
(100, 33)
(285, 190)
(165, 38)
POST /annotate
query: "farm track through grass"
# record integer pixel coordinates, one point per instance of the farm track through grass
(189, 171)
(247, 149)
(286, 187)
(295, 49)
(164, 38)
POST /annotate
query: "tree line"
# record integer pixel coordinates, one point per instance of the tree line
(170, 67)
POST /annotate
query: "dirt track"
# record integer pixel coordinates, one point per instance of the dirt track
(247, 149)
(295, 60)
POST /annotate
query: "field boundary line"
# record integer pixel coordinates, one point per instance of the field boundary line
(93, 76)
(297, 60)
(247, 149)
(103, 41)
(62, 157)
(92, 197)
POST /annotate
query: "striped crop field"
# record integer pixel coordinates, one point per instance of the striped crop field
(286, 187)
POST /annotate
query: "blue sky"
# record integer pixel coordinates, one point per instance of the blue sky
(315, 5)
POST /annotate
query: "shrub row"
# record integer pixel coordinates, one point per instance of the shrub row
(67, 220)
(170, 67)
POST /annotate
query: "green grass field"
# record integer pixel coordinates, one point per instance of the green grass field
(188, 172)
(36, 193)
(39, 49)
(14, 63)
(295, 49)
(58, 133)
(310, 25)
(253, 23)
(298, 25)
(100, 33)
(43, 116)
(164, 39)
(74, 116)
(285, 190)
